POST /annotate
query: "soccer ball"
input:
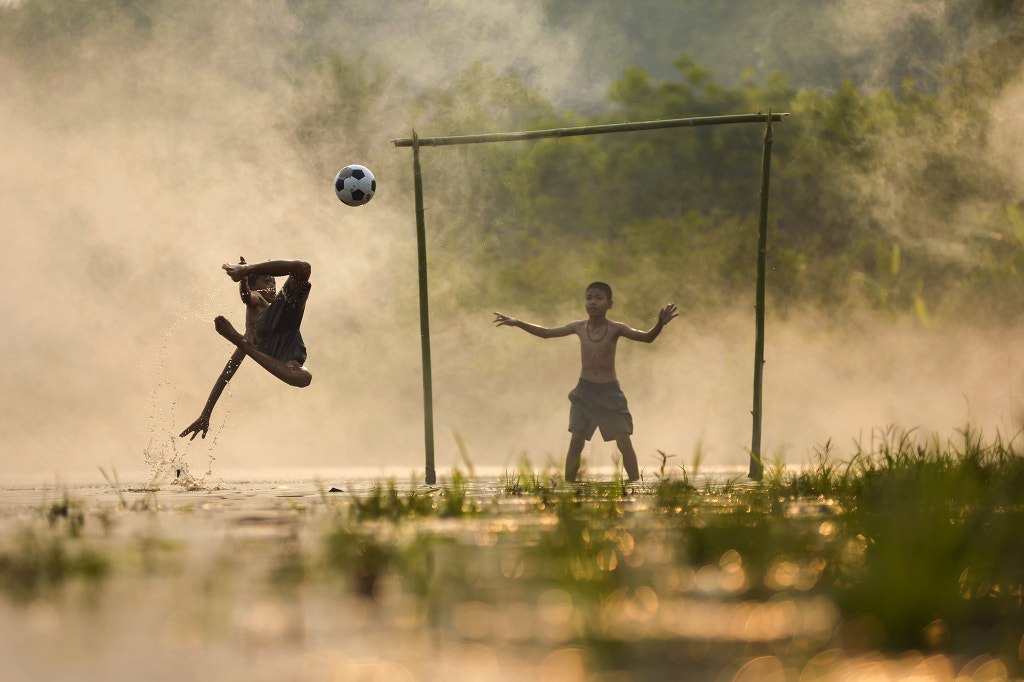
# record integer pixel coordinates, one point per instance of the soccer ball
(355, 185)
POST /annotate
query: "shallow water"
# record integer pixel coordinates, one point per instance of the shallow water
(225, 577)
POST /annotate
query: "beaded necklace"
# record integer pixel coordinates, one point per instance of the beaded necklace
(593, 340)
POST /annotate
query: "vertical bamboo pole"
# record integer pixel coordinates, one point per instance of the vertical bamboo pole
(421, 247)
(756, 462)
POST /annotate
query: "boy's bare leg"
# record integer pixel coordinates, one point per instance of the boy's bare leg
(289, 372)
(572, 458)
(625, 444)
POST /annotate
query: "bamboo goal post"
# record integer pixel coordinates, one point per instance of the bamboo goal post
(416, 143)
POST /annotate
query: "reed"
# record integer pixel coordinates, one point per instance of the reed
(41, 563)
(917, 536)
(920, 534)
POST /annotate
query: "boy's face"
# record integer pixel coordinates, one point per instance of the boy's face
(265, 285)
(597, 302)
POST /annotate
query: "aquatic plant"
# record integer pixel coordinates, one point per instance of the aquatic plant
(939, 528)
(146, 503)
(910, 543)
(69, 512)
(916, 537)
(672, 493)
(455, 498)
(38, 564)
(386, 501)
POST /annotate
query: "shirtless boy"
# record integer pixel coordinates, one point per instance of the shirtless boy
(597, 401)
(272, 320)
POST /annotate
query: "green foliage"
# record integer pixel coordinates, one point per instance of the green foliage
(360, 556)
(342, 93)
(45, 34)
(858, 176)
(39, 564)
(863, 186)
(937, 523)
(913, 537)
(913, 544)
(389, 503)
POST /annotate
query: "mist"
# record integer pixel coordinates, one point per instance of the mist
(132, 171)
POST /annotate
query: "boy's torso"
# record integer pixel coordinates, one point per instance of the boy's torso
(598, 341)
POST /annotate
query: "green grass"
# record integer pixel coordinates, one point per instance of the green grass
(909, 544)
(914, 537)
(40, 563)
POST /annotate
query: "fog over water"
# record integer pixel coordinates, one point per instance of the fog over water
(130, 175)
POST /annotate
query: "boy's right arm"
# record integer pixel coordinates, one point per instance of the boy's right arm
(503, 320)
(202, 424)
(297, 269)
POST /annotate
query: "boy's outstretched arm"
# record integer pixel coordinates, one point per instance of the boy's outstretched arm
(296, 269)
(202, 424)
(503, 320)
(667, 313)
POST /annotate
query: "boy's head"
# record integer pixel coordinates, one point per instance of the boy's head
(602, 287)
(598, 299)
(265, 285)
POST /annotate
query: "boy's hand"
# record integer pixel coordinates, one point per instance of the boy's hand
(236, 272)
(668, 313)
(503, 320)
(200, 425)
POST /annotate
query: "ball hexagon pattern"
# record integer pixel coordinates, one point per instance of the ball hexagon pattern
(355, 185)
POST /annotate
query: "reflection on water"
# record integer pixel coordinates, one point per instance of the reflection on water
(477, 578)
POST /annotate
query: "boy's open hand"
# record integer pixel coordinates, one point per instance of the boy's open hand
(198, 427)
(668, 313)
(503, 320)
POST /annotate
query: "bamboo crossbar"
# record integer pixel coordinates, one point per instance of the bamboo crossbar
(588, 130)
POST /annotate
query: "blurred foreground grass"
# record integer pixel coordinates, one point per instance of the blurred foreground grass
(906, 560)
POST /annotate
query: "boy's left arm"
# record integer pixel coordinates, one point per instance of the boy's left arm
(201, 425)
(668, 313)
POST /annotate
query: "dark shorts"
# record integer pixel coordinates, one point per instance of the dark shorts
(599, 406)
(277, 327)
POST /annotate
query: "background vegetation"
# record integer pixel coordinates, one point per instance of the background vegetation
(886, 196)
(889, 197)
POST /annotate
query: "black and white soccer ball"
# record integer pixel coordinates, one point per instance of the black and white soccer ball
(355, 185)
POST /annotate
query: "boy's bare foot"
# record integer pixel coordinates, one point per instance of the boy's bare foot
(225, 329)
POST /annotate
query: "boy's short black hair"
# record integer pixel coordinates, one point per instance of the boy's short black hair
(602, 287)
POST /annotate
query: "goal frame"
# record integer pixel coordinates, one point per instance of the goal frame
(756, 470)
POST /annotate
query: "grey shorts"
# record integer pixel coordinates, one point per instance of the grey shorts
(277, 328)
(599, 406)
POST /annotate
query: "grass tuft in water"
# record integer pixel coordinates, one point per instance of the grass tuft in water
(41, 563)
(916, 536)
